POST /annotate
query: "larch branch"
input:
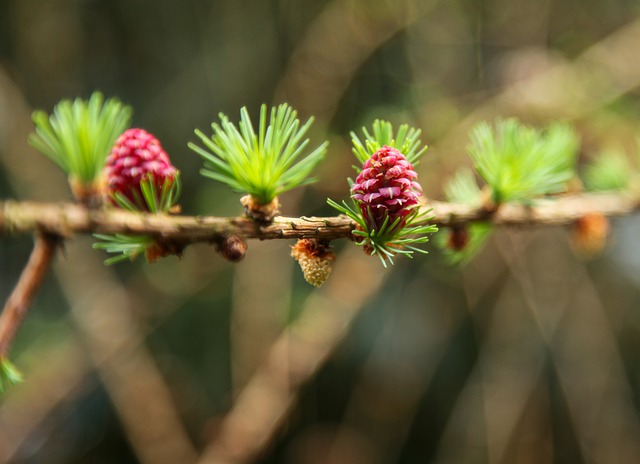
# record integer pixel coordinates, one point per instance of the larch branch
(67, 219)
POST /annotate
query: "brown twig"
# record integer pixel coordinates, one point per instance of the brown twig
(30, 280)
(66, 219)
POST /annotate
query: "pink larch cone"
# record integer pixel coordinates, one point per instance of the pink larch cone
(386, 188)
(135, 156)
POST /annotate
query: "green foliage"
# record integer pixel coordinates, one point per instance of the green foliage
(406, 141)
(124, 246)
(263, 164)
(389, 240)
(463, 188)
(79, 135)
(610, 171)
(9, 374)
(519, 162)
(153, 199)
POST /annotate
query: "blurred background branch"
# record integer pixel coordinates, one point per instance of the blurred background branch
(17, 304)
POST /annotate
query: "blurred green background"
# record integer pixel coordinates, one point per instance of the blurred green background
(530, 354)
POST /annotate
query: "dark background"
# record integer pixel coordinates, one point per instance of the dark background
(527, 355)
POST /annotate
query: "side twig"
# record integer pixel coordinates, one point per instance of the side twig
(30, 280)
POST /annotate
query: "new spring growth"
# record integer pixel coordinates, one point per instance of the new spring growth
(263, 163)
(386, 194)
(139, 177)
(77, 136)
(518, 163)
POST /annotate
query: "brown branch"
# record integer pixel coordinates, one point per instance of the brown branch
(30, 280)
(66, 219)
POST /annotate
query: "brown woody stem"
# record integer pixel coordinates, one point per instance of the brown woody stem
(66, 219)
(30, 280)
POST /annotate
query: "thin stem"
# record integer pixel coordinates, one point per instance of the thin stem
(30, 280)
